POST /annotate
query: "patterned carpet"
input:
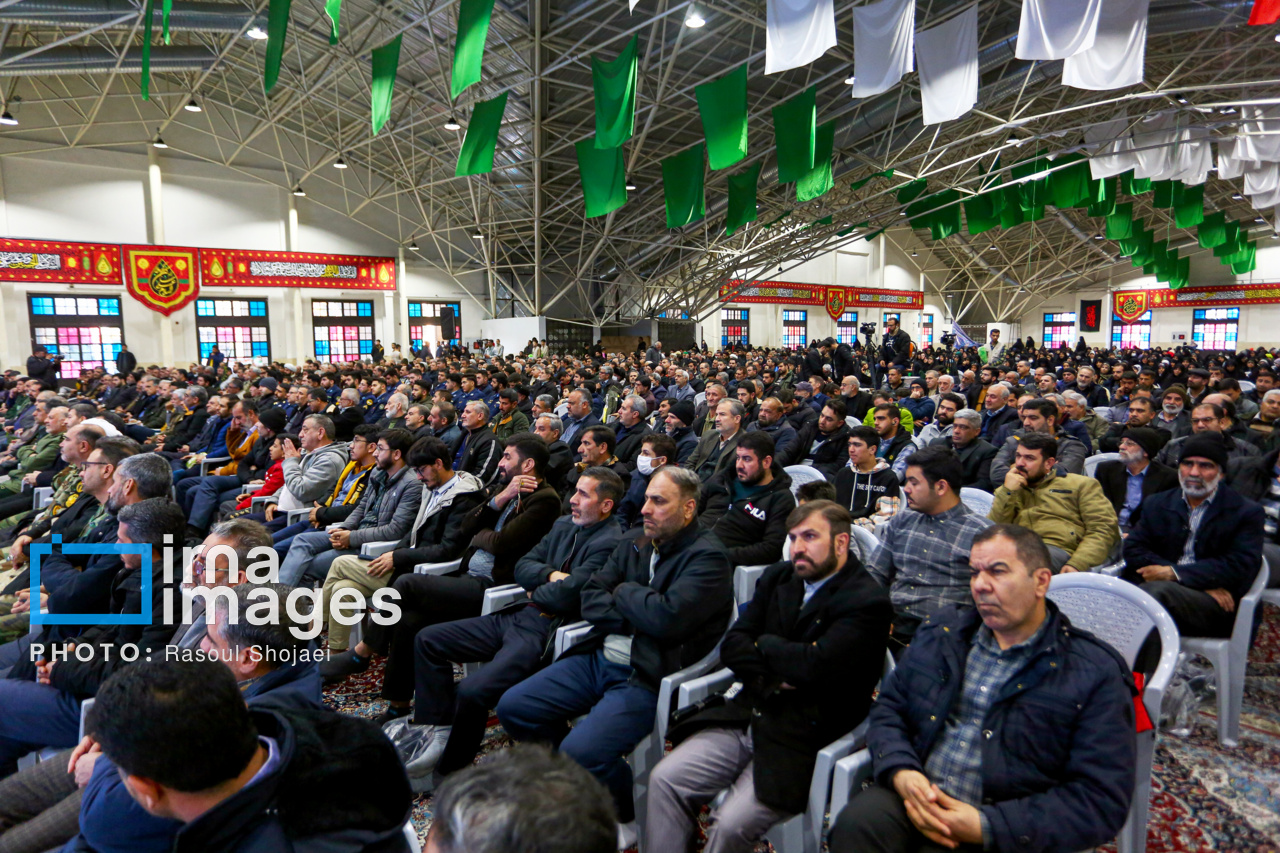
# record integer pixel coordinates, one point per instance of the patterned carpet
(1204, 798)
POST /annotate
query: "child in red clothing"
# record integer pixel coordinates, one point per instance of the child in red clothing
(275, 474)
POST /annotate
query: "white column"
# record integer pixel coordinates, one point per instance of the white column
(291, 225)
(6, 352)
(155, 234)
(301, 345)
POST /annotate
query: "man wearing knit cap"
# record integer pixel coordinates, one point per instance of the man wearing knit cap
(1197, 549)
(1133, 478)
(680, 418)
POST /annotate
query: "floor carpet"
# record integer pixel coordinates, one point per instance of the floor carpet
(1204, 798)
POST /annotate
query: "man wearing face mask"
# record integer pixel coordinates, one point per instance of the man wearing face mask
(656, 450)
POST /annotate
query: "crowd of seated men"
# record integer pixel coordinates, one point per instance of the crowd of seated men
(620, 491)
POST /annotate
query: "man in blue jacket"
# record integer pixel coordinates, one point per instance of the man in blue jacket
(1003, 728)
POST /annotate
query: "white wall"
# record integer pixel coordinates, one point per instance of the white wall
(101, 196)
(514, 332)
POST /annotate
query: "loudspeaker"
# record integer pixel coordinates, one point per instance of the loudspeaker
(448, 324)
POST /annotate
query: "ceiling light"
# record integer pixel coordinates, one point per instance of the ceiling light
(1183, 101)
(452, 124)
(991, 248)
(8, 118)
(694, 19)
(902, 213)
(1226, 111)
(915, 254)
(1097, 236)
(850, 80)
(631, 187)
(256, 33)
(193, 107)
(1277, 36)
(413, 245)
(299, 191)
(159, 142)
(477, 235)
(1236, 196)
(1259, 219)
(1013, 140)
(339, 163)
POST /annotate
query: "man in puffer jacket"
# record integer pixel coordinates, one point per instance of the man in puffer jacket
(746, 506)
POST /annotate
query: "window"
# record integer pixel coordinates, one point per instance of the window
(1128, 335)
(1059, 329)
(238, 326)
(847, 328)
(1216, 328)
(795, 328)
(890, 315)
(343, 330)
(735, 326)
(425, 325)
(86, 331)
(674, 315)
(926, 330)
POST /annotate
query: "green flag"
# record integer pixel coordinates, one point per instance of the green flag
(385, 61)
(1188, 206)
(1164, 193)
(476, 156)
(795, 123)
(826, 220)
(1134, 186)
(615, 87)
(164, 26)
(682, 176)
(468, 47)
(604, 177)
(945, 219)
(1102, 197)
(146, 52)
(277, 24)
(332, 8)
(862, 182)
(1213, 230)
(774, 222)
(1069, 185)
(1120, 223)
(723, 106)
(911, 191)
(980, 215)
(1246, 263)
(742, 199)
(818, 181)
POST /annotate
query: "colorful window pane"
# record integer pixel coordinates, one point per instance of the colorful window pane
(426, 327)
(1059, 329)
(238, 326)
(1131, 335)
(847, 328)
(735, 327)
(926, 330)
(795, 328)
(86, 331)
(1216, 328)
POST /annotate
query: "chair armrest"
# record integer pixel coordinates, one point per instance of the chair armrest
(849, 775)
(257, 503)
(296, 515)
(250, 488)
(697, 689)
(437, 568)
(745, 579)
(84, 714)
(568, 636)
(211, 461)
(377, 549)
(670, 684)
(501, 597)
(41, 497)
(823, 770)
(333, 526)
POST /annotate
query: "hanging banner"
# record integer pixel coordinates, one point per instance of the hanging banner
(835, 302)
(67, 263)
(1129, 305)
(848, 298)
(869, 297)
(238, 268)
(1090, 315)
(163, 278)
(1206, 297)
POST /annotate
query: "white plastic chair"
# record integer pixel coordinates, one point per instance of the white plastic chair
(1091, 463)
(978, 501)
(1103, 412)
(801, 474)
(369, 550)
(1230, 657)
(1247, 387)
(850, 421)
(562, 410)
(699, 398)
(437, 568)
(411, 838)
(41, 497)
(212, 462)
(745, 579)
(867, 542)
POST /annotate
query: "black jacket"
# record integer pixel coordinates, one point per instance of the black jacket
(1114, 479)
(125, 362)
(480, 454)
(1251, 476)
(345, 422)
(686, 442)
(858, 405)
(786, 441)
(1228, 542)
(975, 459)
(832, 454)
(629, 445)
(44, 370)
(677, 617)
(523, 529)
(559, 464)
(753, 530)
(339, 788)
(802, 419)
(188, 429)
(859, 493)
(830, 650)
(580, 551)
(439, 536)
(991, 424)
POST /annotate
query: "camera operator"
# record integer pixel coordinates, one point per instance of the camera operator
(895, 346)
(42, 368)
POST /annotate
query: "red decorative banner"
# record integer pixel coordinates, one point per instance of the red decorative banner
(1211, 297)
(234, 267)
(846, 298)
(68, 263)
(908, 300)
(163, 278)
(835, 302)
(1129, 305)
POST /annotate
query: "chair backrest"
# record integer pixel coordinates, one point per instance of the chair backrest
(1091, 464)
(1242, 631)
(1103, 412)
(850, 421)
(1122, 615)
(867, 542)
(699, 398)
(978, 501)
(1247, 387)
(562, 410)
(411, 838)
(801, 474)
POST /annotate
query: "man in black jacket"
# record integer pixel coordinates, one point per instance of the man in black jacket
(513, 643)
(828, 446)
(1255, 478)
(481, 449)
(772, 422)
(40, 704)
(630, 429)
(1138, 448)
(976, 454)
(746, 506)
(548, 428)
(659, 604)
(42, 368)
(808, 650)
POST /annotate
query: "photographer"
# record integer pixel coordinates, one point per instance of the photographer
(895, 345)
(43, 369)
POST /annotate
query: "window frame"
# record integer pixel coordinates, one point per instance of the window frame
(1118, 327)
(1050, 324)
(803, 323)
(423, 320)
(233, 321)
(926, 330)
(57, 322)
(1231, 338)
(846, 330)
(359, 321)
(744, 322)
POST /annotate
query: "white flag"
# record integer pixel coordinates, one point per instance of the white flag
(883, 40)
(1153, 146)
(1118, 51)
(631, 5)
(797, 33)
(1113, 155)
(1229, 167)
(1259, 138)
(947, 56)
(1056, 29)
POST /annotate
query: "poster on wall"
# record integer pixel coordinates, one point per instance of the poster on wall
(1130, 306)
(1090, 315)
(67, 263)
(242, 268)
(163, 278)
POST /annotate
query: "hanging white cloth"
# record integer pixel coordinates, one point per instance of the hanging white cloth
(797, 33)
(631, 5)
(1118, 51)
(947, 56)
(1056, 29)
(1262, 201)
(1261, 179)
(1259, 138)
(1228, 166)
(1113, 155)
(883, 40)
(1192, 156)
(1153, 146)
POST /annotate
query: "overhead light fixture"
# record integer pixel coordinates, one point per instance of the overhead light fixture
(915, 254)
(1013, 140)
(339, 163)
(159, 142)
(694, 19)
(1236, 196)
(8, 118)
(193, 107)
(1098, 237)
(902, 213)
(477, 235)
(256, 33)
(850, 80)
(452, 124)
(1277, 36)
(1259, 219)
(1226, 111)
(299, 191)
(413, 245)
(991, 248)
(631, 187)
(1183, 101)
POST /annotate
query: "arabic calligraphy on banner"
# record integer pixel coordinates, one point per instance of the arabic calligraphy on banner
(231, 267)
(69, 263)
(163, 278)
(1193, 297)
(835, 299)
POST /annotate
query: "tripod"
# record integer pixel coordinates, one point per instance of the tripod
(873, 358)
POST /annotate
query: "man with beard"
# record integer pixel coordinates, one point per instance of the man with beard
(679, 428)
(772, 422)
(746, 506)
(940, 427)
(1069, 511)
(1175, 412)
(1141, 414)
(923, 558)
(1197, 549)
(829, 445)
(1135, 476)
